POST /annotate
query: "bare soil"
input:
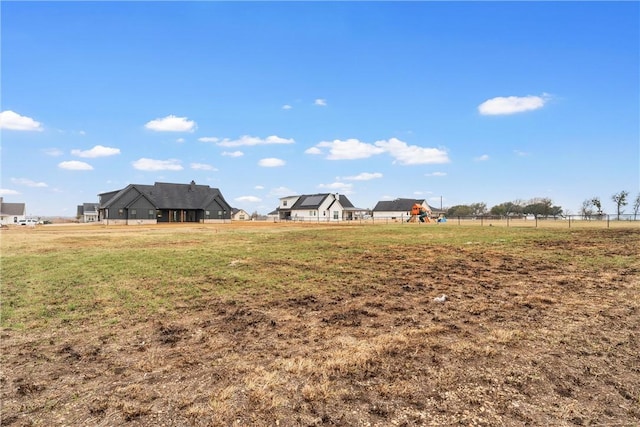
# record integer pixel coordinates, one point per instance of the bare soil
(519, 341)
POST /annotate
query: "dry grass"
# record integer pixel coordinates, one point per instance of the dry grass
(320, 325)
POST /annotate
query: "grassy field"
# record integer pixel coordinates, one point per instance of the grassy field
(310, 324)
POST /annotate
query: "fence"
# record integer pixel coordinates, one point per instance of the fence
(568, 221)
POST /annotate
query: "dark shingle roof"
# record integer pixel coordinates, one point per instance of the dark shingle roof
(396, 205)
(174, 196)
(309, 201)
(12, 208)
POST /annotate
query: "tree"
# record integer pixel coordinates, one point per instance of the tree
(478, 208)
(587, 208)
(636, 206)
(598, 205)
(506, 209)
(542, 207)
(620, 199)
(459, 210)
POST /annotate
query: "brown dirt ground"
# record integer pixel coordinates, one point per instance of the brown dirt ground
(518, 342)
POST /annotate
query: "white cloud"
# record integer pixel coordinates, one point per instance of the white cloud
(482, 158)
(13, 121)
(521, 153)
(364, 176)
(254, 140)
(339, 187)
(259, 187)
(233, 153)
(208, 139)
(287, 107)
(271, 162)
(180, 140)
(249, 199)
(97, 151)
(281, 192)
(7, 192)
(202, 167)
(171, 123)
(412, 154)
(349, 149)
(145, 164)
(53, 152)
(436, 174)
(28, 182)
(320, 102)
(75, 165)
(313, 150)
(512, 104)
(403, 153)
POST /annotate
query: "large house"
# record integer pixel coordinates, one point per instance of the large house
(398, 209)
(88, 212)
(11, 213)
(317, 207)
(163, 202)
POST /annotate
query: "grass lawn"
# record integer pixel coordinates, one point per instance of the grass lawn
(312, 324)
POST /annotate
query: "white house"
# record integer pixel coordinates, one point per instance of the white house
(324, 207)
(240, 215)
(88, 212)
(11, 213)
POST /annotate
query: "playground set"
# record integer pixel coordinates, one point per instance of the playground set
(419, 213)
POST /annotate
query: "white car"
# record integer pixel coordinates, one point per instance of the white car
(29, 221)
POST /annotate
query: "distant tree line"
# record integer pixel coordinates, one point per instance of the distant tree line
(593, 206)
(544, 207)
(537, 207)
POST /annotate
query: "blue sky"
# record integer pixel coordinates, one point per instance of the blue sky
(463, 102)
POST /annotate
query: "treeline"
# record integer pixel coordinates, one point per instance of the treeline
(537, 207)
(544, 207)
(593, 206)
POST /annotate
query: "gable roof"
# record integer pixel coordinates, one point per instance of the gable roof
(87, 208)
(314, 201)
(309, 201)
(397, 205)
(172, 196)
(14, 209)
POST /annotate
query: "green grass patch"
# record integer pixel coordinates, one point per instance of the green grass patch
(79, 276)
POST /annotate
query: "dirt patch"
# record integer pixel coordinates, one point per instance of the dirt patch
(518, 341)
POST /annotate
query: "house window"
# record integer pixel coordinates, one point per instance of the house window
(134, 213)
(335, 214)
(284, 203)
(241, 217)
(312, 213)
(219, 214)
(152, 212)
(120, 211)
